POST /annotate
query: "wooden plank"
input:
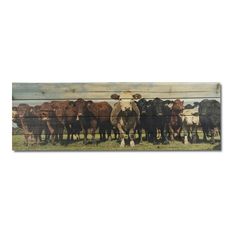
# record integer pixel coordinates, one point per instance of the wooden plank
(37, 93)
(103, 91)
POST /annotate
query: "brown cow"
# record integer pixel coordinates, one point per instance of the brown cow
(93, 115)
(53, 115)
(26, 119)
(72, 125)
(175, 121)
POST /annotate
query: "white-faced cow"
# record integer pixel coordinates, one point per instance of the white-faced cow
(125, 115)
(190, 123)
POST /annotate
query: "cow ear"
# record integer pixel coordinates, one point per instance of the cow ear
(137, 96)
(115, 96)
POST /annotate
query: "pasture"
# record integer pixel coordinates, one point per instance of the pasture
(114, 145)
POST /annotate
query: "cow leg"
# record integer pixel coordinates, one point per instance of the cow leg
(109, 133)
(154, 137)
(212, 136)
(85, 132)
(171, 130)
(52, 132)
(26, 139)
(68, 131)
(116, 133)
(122, 135)
(164, 136)
(140, 135)
(102, 134)
(60, 135)
(204, 136)
(194, 133)
(178, 131)
(93, 131)
(131, 136)
(185, 133)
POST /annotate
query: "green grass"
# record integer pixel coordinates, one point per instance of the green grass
(18, 145)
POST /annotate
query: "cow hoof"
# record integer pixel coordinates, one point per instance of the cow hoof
(166, 142)
(122, 144)
(132, 143)
(155, 142)
(186, 140)
(212, 142)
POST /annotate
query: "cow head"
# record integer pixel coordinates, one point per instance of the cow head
(204, 107)
(126, 99)
(58, 108)
(209, 107)
(145, 107)
(158, 107)
(46, 111)
(80, 105)
(22, 110)
(178, 106)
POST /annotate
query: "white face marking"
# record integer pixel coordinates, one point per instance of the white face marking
(125, 104)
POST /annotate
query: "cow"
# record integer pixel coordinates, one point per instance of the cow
(125, 115)
(72, 125)
(210, 118)
(93, 115)
(175, 121)
(190, 123)
(161, 116)
(52, 114)
(146, 119)
(26, 119)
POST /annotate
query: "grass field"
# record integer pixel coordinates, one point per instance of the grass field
(18, 145)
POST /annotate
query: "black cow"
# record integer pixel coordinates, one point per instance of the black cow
(146, 119)
(210, 118)
(161, 118)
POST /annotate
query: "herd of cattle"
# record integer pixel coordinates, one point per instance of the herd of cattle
(161, 120)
